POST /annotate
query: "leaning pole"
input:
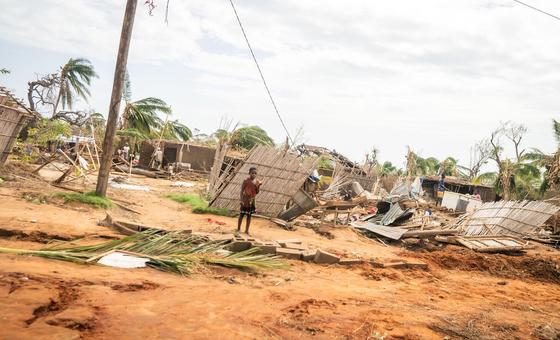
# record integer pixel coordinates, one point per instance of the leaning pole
(111, 127)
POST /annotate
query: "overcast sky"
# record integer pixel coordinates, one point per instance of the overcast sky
(434, 74)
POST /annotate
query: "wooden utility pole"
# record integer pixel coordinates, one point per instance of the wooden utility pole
(111, 127)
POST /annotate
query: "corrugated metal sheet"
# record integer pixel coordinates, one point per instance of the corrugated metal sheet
(506, 218)
(394, 233)
(395, 213)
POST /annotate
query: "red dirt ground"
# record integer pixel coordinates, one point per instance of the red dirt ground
(462, 294)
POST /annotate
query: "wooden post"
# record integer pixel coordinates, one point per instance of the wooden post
(120, 69)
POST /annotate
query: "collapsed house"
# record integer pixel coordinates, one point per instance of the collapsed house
(13, 116)
(345, 173)
(459, 186)
(519, 219)
(185, 155)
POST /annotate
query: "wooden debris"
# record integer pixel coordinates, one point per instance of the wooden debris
(399, 264)
(493, 244)
(429, 233)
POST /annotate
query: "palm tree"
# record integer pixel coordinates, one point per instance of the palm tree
(550, 163)
(4, 71)
(515, 180)
(386, 169)
(427, 166)
(176, 130)
(248, 137)
(141, 117)
(449, 167)
(74, 80)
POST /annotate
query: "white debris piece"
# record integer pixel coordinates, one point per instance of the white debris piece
(183, 184)
(123, 260)
(129, 186)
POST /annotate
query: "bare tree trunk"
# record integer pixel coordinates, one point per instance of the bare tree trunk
(30, 96)
(120, 70)
(55, 107)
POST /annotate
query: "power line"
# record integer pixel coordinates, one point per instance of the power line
(260, 72)
(538, 10)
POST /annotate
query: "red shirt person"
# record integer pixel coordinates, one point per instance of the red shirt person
(249, 190)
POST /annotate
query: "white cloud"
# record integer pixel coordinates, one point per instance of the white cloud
(433, 74)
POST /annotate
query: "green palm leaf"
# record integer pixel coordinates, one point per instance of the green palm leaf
(75, 79)
(171, 251)
(556, 128)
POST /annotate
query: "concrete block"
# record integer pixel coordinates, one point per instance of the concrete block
(223, 237)
(245, 237)
(237, 246)
(295, 246)
(324, 257)
(264, 249)
(291, 240)
(288, 253)
(350, 262)
(308, 255)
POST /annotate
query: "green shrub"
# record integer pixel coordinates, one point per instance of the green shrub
(198, 205)
(88, 198)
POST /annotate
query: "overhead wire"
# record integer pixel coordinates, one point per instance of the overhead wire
(536, 9)
(261, 73)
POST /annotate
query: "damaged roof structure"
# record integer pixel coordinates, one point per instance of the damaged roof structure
(345, 172)
(506, 218)
(282, 173)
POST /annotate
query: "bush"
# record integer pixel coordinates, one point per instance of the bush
(198, 205)
(48, 130)
(88, 198)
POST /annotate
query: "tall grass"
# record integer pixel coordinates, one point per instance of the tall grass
(88, 198)
(198, 204)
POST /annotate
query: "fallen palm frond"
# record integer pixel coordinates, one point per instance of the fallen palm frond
(172, 251)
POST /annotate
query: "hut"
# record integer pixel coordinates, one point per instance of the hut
(461, 186)
(13, 116)
(194, 156)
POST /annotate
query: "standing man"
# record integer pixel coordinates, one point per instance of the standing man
(126, 150)
(249, 190)
(158, 157)
(440, 189)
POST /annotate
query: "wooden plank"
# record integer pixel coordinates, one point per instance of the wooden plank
(493, 244)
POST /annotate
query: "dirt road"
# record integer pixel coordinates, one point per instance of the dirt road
(461, 295)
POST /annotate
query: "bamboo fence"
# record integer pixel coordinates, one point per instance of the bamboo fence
(281, 173)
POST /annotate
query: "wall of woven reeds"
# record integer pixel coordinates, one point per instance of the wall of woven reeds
(12, 119)
(282, 175)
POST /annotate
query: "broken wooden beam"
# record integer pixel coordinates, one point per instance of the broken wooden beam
(430, 233)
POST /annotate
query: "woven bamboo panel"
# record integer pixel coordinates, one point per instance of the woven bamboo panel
(12, 119)
(282, 175)
(507, 218)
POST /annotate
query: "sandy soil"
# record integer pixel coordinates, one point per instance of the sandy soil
(462, 294)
